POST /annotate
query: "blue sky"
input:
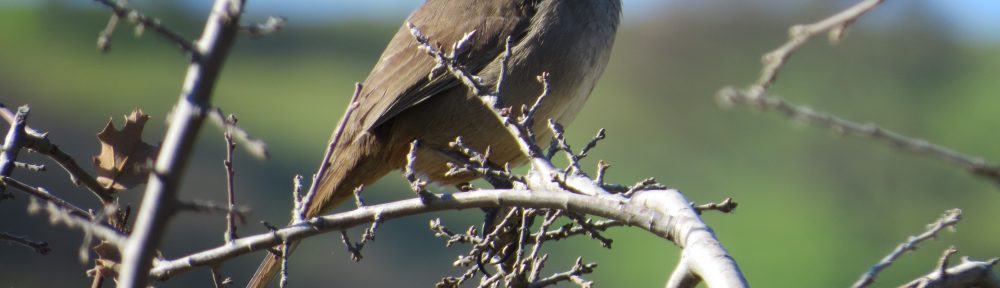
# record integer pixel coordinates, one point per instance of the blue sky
(975, 20)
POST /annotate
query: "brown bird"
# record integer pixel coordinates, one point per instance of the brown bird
(400, 103)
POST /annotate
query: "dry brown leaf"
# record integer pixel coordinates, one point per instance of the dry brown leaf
(107, 252)
(125, 160)
(108, 259)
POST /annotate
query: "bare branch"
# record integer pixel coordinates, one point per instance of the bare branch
(39, 247)
(569, 230)
(727, 205)
(645, 210)
(334, 141)
(12, 145)
(798, 35)
(757, 96)
(949, 219)
(141, 20)
(217, 279)
(160, 199)
(202, 206)
(572, 275)
(29, 167)
(61, 211)
(272, 25)
(967, 274)
(543, 170)
(230, 183)
(256, 147)
(973, 164)
(43, 195)
(286, 248)
(38, 142)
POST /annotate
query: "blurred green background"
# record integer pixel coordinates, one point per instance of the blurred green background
(815, 209)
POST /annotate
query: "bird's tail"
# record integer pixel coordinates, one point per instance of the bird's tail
(351, 164)
(267, 270)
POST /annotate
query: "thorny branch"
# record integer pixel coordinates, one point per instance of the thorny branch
(949, 219)
(43, 195)
(969, 273)
(74, 217)
(160, 199)
(39, 247)
(256, 147)
(546, 171)
(230, 182)
(141, 20)
(272, 25)
(38, 142)
(12, 144)
(642, 212)
(757, 96)
(705, 257)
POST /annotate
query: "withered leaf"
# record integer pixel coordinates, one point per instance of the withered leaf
(125, 160)
(107, 252)
(108, 259)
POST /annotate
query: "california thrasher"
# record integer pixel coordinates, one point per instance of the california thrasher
(399, 102)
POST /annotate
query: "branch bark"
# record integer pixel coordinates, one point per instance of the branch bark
(160, 200)
(757, 96)
(660, 212)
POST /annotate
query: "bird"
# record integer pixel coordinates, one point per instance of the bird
(402, 101)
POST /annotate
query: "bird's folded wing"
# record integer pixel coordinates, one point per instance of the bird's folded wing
(400, 80)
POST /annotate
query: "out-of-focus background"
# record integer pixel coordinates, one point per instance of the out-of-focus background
(815, 209)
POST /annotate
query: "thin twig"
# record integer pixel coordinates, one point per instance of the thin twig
(976, 165)
(798, 35)
(490, 98)
(46, 196)
(39, 247)
(29, 167)
(942, 266)
(160, 199)
(61, 211)
(38, 142)
(573, 275)
(632, 213)
(285, 253)
(757, 96)
(726, 206)
(272, 25)
(230, 183)
(255, 147)
(334, 141)
(217, 279)
(12, 145)
(138, 18)
(969, 273)
(202, 206)
(104, 38)
(949, 219)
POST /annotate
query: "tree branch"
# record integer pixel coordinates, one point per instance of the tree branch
(12, 145)
(138, 18)
(757, 96)
(160, 198)
(647, 210)
(38, 142)
(949, 219)
(39, 247)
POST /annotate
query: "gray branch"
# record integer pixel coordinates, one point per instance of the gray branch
(661, 212)
(757, 96)
(949, 219)
(160, 200)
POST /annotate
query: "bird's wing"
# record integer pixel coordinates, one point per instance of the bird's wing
(400, 79)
